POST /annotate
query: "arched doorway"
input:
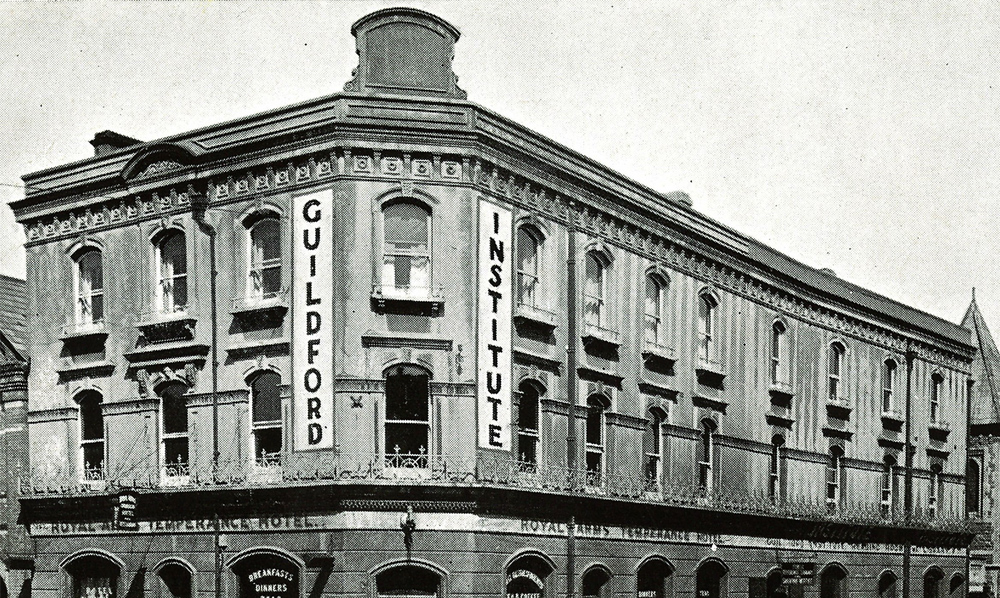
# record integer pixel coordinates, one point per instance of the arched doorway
(710, 581)
(654, 579)
(527, 576)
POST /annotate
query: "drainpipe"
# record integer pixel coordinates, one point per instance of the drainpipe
(908, 472)
(571, 392)
(199, 205)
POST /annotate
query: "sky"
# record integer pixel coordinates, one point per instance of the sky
(853, 135)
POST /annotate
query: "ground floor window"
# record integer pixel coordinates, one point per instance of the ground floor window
(595, 583)
(710, 580)
(888, 585)
(832, 581)
(653, 579)
(267, 575)
(527, 576)
(94, 577)
(175, 581)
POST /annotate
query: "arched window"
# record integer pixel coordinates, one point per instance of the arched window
(171, 258)
(832, 582)
(528, 577)
(408, 581)
(265, 569)
(888, 385)
(652, 443)
(706, 326)
(529, 244)
(595, 583)
(835, 371)
(527, 423)
(174, 419)
(653, 332)
(932, 582)
(773, 586)
(595, 290)
(265, 416)
(935, 404)
(92, 446)
(888, 586)
(710, 580)
(264, 268)
(175, 581)
(654, 579)
(406, 250)
(775, 467)
(706, 456)
(94, 577)
(887, 487)
(89, 288)
(833, 475)
(407, 416)
(779, 354)
(973, 487)
(596, 406)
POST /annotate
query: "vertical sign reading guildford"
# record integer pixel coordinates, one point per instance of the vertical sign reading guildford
(496, 272)
(312, 329)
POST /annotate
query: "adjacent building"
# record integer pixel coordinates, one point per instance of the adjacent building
(390, 343)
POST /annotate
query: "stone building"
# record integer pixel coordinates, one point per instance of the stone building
(390, 343)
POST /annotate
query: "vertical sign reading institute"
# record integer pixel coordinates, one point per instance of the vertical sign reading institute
(496, 272)
(312, 327)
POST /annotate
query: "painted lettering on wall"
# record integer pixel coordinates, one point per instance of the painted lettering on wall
(496, 273)
(312, 328)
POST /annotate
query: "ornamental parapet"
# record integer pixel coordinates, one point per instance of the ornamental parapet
(484, 471)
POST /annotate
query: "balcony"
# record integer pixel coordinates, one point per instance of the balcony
(162, 327)
(410, 300)
(487, 472)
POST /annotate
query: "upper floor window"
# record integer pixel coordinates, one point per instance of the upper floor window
(887, 489)
(652, 441)
(264, 277)
(172, 272)
(935, 405)
(89, 288)
(266, 418)
(529, 244)
(174, 415)
(407, 416)
(775, 489)
(779, 354)
(653, 332)
(973, 487)
(92, 445)
(934, 491)
(706, 456)
(595, 290)
(596, 407)
(833, 475)
(835, 371)
(527, 423)
(888, 384)
(406, 250)
(707, 306)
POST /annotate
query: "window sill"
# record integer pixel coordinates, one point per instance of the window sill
(164, 327)
(834, 432)
(709, 403)
(776, 419)
(83, 332)
(892, 419)
(710, 372)
(540, 318)
(99, 369)
(658, 355)
(838, 408)
(938, 431)
(593, 334)
(425, 302)
(264, 311)
(781, 393)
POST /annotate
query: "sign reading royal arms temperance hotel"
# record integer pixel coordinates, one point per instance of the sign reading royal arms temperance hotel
(494, 303)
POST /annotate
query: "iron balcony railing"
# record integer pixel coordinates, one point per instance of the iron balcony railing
(483, 470)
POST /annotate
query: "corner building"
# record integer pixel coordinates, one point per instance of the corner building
(445, 356)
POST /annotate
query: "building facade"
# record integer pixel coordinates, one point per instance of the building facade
(390, 343)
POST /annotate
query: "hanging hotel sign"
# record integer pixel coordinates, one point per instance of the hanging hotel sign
(125, 510)
(496, 273)
(312, 327)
